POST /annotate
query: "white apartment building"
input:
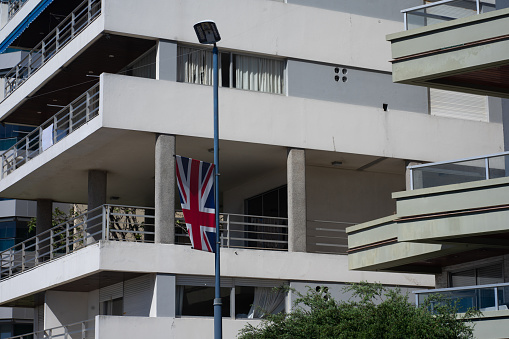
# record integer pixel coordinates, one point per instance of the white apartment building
(314, 134)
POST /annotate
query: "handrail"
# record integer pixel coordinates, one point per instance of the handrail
(434, 4)
(430, 167)
(64, 122)
(80, 18)
(134, 224)
(85, 329)
(15, 6)
(479, 301)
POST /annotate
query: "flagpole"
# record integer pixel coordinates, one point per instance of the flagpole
(218, 325)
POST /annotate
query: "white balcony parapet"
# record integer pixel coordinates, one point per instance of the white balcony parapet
(67, 120)
(69, 28)
(491, 297)
(15, 6)
(459, 171)
(134, 224)
(83, 329)
(469, 8)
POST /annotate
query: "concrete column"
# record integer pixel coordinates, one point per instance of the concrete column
(165, 189)
(44, 215)
(417, 176)
(296, 178)
(505, 129)
(166, 60)
(163, 300)
(97, 183)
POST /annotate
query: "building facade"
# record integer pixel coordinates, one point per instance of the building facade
(450, 221)
(314, 134)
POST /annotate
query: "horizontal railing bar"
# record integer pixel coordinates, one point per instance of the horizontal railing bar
(459, 160)
(112, 230)
(452, 289)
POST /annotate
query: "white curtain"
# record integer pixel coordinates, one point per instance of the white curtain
(194, 66)
(267, 300)
(180, 299)
(259, 74)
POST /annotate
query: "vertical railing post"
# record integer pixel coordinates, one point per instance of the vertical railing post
(487, 167)
(104, 221)
(496, 297)
(228, 230)
(71, 113)
(11, 259)
(55, 129)
(83, 330)
(3, 167)
(411, 179)
(43, 52)
(416, 300)
(405, 20)
(50, 333)
(107, 216)
(37, 250)
(23, 256)
(51, 244)
(39, 138)
(27, 147)
(66, 332)
(478, 4)
(89, 11)
(57, 38)
(29, 63)
(67, 235)
(87, 107)
(73, 19)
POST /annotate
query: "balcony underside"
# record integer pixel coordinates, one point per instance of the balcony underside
(465, 222)
(467, 55)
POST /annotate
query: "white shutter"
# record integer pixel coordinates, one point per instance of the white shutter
(458, 105)
(490, 275)
(138, 296)
(111, 292)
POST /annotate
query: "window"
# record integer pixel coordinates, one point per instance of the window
(241, 298)
(247, 72)
(492, 274)
(112, 307)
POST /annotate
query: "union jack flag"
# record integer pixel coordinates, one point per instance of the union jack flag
(195, 180)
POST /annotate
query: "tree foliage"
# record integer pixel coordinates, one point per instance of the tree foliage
(372, 312)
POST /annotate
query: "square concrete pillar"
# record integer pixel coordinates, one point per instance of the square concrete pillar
(44, 220)
(165, 189)
(417, 176)
(163, 299)
(297, 216)
(166, 60)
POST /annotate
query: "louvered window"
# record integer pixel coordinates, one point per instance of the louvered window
(458, 105)
(492, 274)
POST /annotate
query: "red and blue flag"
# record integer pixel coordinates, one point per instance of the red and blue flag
(195, 180)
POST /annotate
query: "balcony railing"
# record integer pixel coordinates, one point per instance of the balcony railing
(482, 297)
(66, 121)
(15, 6)
(134, 224)
(459, 171)
(83, 330)
(70, 27)
(244, 231)
(444, 10)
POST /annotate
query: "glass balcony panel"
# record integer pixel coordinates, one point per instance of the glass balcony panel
(447, 174)
(498, 166)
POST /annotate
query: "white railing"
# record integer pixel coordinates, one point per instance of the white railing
(134, 224)
(66, 121)
(71, 26)
(491, 297)
(244, 231)
(15, 6)
(459, 171)
(470, 7)
(106, 222)
(83, 330)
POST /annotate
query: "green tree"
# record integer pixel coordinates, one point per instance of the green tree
(372, 312)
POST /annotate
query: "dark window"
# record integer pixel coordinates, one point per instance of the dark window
(199, 301)
(244, 297)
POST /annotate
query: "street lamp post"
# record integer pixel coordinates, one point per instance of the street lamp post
(207, 33)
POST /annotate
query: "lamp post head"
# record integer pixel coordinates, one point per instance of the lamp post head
(207, 32)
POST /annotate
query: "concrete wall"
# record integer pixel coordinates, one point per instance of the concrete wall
(362, 87)
(376, 9)
(62, 308)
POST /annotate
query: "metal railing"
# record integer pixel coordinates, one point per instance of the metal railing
(15, 6)
(244, 231)
(134, 224)
(324, 236)
(459, 171)
(481, 297)
(458, 9)
(106, 222)
(83, 330)
(71, 26)
(66, 121)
